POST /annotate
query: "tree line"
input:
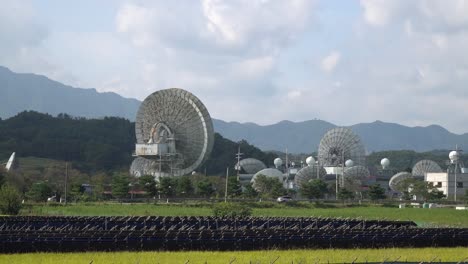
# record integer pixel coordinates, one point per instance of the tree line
(98, 145)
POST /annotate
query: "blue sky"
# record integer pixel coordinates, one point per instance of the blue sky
(259, 61)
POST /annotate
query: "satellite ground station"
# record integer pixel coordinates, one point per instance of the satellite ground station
(174, 134)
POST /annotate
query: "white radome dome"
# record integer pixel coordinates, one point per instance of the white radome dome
(278, 162)
(349, 163)
(385, 163)
(310, 161)
(453, 156)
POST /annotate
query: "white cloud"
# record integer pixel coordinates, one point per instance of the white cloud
(378, 12)
(251, 53)
(254, 67)
(136, 21)
(330, 62)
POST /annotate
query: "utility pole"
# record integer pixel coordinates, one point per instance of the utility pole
(336, 183)
(66, 182)
(287, 168)
(456, 162)
(342, 168)
(225, 190)
(238, 167)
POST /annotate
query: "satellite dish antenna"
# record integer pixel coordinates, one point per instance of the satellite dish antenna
(309, 173)
(397, 178)
(251, 165)
(174, 134)
(424, 166)
(270, 173)
(356, 174)
(340, 144)
(349, 163)
(385, 163)
(12, 163)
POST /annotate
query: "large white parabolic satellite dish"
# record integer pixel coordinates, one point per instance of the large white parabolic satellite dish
(338, 145)
(174, 134)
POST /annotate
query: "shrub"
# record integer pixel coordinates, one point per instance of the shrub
(231, 210)
(10, 200)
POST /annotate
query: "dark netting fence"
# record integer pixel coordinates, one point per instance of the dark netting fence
(62, 234)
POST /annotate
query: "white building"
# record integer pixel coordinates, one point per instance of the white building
(445, 182)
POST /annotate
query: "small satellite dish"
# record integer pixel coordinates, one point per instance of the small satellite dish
(397, 178)
(12, 163)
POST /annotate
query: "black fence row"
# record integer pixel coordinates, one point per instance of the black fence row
(153, 223)
(65, 234)
(44, 241)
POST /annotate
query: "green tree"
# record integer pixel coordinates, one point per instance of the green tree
(404, 188)
(120, 186)
(148, 184)
(76, 191)
(231, 210)
(10, 200)
(425, 191)
(269, 187)
(98, 182)
(344, 194)
(184, 186)
(39, 192)
(250, 192)
(436, 194)
(205, 188)
(167, 186)
(3, 174)
(314, 189)
(277, 190)
(234, 187)
(376, 192)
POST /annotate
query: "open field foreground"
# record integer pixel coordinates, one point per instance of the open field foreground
(422, 217)
(209, 257)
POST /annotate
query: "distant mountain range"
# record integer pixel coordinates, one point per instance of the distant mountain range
(304, 137)
(19, 92)
(25, 91)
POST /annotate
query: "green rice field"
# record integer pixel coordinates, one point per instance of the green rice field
(285, 256)
(423, 217)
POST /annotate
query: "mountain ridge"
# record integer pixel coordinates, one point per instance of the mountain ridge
(28, 91)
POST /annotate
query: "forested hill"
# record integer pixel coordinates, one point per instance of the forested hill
(95, 144)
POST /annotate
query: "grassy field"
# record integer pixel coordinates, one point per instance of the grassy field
(423, 217)
(285, 256)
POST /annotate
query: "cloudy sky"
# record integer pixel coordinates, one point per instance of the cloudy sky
(258, 61)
